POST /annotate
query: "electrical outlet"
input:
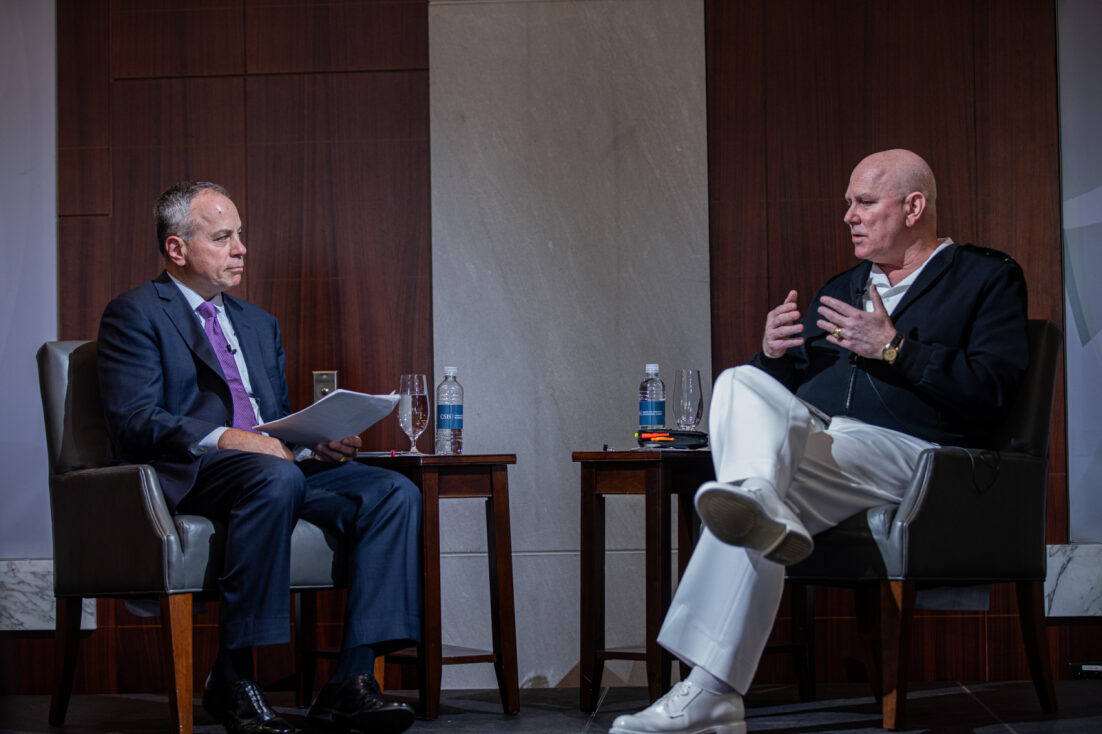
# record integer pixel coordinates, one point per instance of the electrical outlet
(325, 382)
(1086, 670)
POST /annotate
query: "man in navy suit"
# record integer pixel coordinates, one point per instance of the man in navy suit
(923, 343)
(185, 372)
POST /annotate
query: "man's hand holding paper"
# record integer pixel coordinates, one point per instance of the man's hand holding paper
(332, 421)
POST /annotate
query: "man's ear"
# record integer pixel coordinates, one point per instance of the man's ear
(914, 206)
(176, 250)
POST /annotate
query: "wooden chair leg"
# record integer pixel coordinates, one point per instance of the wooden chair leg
(803, 638)
(176, 628)
(66, 640)
(306, 646)
(1031, 615)
(380, 671)
(897, 600)
(867, 605)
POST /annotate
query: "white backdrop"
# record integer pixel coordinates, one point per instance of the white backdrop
(28, 303)
(1080, 60)
(28, 276)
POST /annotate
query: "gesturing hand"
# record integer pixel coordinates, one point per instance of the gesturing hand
(855, 329)
(782, 328)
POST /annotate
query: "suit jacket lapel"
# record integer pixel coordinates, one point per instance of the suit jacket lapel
(858, 282)
(930, 275)
(186, 322)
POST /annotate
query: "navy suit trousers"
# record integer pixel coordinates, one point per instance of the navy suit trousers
(260, 497)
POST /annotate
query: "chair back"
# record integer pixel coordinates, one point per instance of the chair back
(76, 434)
(1026, 428)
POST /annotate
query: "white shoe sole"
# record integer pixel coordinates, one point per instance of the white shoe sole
(735, 728)
(737, 519)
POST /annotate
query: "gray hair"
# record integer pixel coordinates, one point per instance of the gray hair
(173, 210)
(919, 177)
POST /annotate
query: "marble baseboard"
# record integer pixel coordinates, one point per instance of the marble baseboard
(1074, 584)
(27, 597)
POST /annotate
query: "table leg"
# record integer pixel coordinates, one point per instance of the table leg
(429, 662)
(502, 614)
(592, 581)
(688, 532)
(658, 550)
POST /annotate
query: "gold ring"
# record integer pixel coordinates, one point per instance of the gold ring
(837, 333)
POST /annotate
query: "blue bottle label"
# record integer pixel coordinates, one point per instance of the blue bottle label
(449, 417)
(652, 412)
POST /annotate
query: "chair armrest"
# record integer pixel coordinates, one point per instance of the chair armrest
(969, 516)
(112, 532)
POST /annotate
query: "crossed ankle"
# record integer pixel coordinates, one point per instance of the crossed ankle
(709, 682)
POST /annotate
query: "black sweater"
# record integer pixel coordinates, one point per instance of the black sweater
(966, 349)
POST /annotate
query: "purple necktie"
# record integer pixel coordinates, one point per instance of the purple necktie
(243, 415)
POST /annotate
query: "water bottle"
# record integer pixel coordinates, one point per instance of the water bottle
(652, 400)
(449, 414)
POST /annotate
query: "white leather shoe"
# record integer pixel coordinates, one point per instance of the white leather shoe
(754, 517)
(686, 709)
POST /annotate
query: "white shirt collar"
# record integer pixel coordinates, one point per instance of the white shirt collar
(194, 299)
(890, 294)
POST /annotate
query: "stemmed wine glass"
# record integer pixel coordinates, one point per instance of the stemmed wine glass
(688, 400)
(413, 408)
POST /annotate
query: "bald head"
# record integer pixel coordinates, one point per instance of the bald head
(899, 173)
(890, 210)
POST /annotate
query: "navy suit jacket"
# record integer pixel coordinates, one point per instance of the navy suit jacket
(966, 351)
(161, 384)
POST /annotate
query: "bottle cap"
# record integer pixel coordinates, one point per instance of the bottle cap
(450, 372)
(652, 369)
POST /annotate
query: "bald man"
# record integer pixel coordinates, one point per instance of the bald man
(922, 344)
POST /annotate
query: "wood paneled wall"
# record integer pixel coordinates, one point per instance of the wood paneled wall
(798, 92)
(315, 117)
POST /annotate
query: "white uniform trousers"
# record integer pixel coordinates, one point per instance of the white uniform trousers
(761, 433)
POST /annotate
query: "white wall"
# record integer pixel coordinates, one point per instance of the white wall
(28, 292)
(570, 247)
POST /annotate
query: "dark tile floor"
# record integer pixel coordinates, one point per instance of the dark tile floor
(948, 707)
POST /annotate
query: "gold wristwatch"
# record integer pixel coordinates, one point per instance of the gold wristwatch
(891, 349)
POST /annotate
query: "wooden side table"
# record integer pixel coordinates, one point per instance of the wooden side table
(444, 477)
(659, 475)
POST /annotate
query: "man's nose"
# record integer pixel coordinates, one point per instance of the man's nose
(850, 216)
(238, 246)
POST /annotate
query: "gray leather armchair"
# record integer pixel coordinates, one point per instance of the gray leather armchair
(114, 536)
(969, 517)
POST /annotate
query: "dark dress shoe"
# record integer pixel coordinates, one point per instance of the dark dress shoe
(242, 709)
(358, 703)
